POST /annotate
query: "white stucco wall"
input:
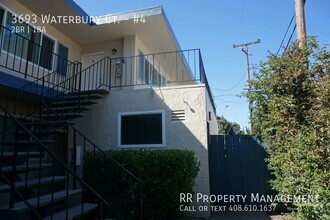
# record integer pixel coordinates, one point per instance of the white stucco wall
(100, 124)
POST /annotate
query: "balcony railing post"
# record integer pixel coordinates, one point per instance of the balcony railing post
(27, 59)
(110, 72)
(73, 160)
(41, 105)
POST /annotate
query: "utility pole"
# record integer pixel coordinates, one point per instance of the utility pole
(245, 49)
(300, 23)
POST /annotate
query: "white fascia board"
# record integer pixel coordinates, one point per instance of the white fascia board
(129, 15)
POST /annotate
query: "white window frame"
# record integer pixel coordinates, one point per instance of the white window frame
(162, 145)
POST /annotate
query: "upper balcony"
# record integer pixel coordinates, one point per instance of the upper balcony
(31, 56)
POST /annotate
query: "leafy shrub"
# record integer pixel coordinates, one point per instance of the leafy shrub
(292, 113)
(165, 174)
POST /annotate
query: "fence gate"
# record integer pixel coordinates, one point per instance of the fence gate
(237, 166)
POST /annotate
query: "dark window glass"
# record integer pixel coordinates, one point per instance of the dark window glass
(34, 47)
(2, 12)
(141, 129)
(62, 59)
(146, 71)
(46, 57)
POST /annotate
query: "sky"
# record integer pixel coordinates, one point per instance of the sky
(215, 25)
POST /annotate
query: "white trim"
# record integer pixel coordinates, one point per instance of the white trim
(162, 145)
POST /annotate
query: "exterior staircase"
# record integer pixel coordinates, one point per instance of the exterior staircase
(29, 168)
(37, 178)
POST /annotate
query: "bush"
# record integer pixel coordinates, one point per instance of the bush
(165, 174)
(291, 113)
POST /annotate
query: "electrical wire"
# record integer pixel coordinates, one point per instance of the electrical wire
(226, 101)
(224, 90)
(295, 26)
(286, 32)
(236, 95)
(289, 41)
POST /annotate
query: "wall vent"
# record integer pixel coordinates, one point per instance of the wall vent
(178, 115)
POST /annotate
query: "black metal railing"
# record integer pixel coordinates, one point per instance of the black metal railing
(126, 198)
(204, 80)
(41, 94)
(96, 76)
(24, 56)
(46, 176)
(184, 67)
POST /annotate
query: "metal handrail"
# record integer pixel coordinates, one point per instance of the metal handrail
(33, 210)
(107, 155)
(58, 160)
(96, 148)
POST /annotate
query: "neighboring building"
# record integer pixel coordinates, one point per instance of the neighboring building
(129, 65)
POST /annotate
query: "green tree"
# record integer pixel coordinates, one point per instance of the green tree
(292, 113)
(227, 127)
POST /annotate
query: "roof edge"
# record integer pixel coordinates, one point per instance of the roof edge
(129, 15)
(170, 30)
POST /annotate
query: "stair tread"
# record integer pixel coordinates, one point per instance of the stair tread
(44, 131)
(20, 142)
(32, 182)
(83, 96)
(73, 102)
(43, 200)
(97, 91)
(61, 108)
(11, 154)
(19, 168)
(50, 122)
(65, 115)
(74, 211)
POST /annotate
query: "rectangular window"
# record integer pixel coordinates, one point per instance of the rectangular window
(142, 129)
(46, 56)
(62, 59)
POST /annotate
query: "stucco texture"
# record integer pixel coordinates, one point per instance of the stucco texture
(101, 123)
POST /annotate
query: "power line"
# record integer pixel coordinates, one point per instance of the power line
(294, 29)
(224, 90)
(245, 49)
(287, 45)
(236, 95)
(286, 32)
(226, 101)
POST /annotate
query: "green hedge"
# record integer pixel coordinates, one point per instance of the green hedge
(165, 174)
